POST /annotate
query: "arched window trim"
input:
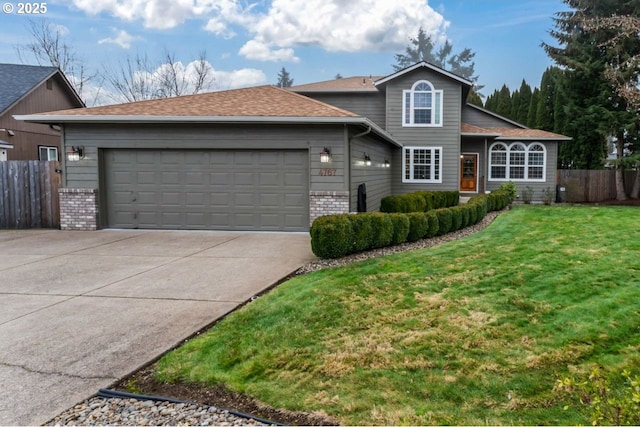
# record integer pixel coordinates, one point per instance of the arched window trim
(511, 164)
(422, 108)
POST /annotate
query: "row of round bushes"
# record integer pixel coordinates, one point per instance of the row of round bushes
(420, 201)
(334, 236)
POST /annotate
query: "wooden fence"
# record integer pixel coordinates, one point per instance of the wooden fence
(591, 185)
(29, 194)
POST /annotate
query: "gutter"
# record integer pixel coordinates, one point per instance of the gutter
(366, 132)
(130, 119)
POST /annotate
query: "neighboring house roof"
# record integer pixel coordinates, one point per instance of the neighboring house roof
(17, 81)
(260, 104)
(510, 134)
(345, 84)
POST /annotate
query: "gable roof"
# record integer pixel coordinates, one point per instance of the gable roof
(345, 84)
(383, 81)
(260, 104)
(17, 81)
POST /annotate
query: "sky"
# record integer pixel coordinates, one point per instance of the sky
(248, 42)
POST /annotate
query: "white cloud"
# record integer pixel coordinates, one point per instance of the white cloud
(260, 51)
(161, 14)
(122, 39)
(277, 27)
(244, 77)
(347, 26)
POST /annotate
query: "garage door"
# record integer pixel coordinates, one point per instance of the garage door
(235, 190)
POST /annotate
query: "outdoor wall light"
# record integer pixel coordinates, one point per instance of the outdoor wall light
(325, 155)
(367, 160)
(387, 164)
(75, 153)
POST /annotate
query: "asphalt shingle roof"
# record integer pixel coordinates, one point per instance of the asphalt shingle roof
(259, 101)
(346, 84)
(18, 80)
(511, 133)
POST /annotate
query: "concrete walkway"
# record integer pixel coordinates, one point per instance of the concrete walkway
(79, 310)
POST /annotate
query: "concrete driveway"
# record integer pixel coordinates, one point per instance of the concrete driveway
(79, 310)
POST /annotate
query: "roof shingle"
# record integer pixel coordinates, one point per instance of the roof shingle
(260, 101)
(345, 84)
(18, 80)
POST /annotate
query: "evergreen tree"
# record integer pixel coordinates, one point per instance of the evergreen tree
(533, 108)
(474, 99)
(503, 102)
(284, 79)
(521, 107)
(590, 105)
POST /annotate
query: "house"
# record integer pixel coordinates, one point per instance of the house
(265, 158)
(28, 89)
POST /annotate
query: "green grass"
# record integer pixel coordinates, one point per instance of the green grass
(472, 332)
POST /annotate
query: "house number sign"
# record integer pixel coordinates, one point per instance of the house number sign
(327, 172)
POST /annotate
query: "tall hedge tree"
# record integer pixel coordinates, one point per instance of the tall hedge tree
(593, 108)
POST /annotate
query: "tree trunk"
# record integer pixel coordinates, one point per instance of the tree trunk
(635, 192)
(620, 193)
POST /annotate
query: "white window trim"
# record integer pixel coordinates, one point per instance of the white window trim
(526, 162)
(433, 179)
(49, 150)
(434, 106)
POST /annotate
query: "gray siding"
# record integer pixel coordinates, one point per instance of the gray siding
(94, 137)
(370, 105)
(447, 136)
(376, 177)
(550, 182)
(481, 119)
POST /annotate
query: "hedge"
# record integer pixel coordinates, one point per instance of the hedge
(419, 201)
(334, 236)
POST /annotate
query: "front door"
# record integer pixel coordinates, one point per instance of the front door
(469, 173)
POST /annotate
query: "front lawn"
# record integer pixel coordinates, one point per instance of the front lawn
(472, 332)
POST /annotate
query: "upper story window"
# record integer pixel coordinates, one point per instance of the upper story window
(422, 105)
(517, 162)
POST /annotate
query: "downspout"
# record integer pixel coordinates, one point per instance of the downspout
(486, 167)
(366, 132)
(349, 139)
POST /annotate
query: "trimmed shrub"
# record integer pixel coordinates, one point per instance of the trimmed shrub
(464, 213)
(362, 235)
(418, 226)
(445, 219)
(400, 228)
(331, 236)
(381, 229)
(433, 224)
(456, 218)
(419, 201)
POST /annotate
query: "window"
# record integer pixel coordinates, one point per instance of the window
(48, 153)
(517, 162)
(422, 164)
(422, 105)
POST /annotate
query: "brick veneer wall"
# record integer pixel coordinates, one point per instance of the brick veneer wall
(78, 209)
(327, 203)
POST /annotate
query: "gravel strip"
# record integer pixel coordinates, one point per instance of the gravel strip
(99, 411)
